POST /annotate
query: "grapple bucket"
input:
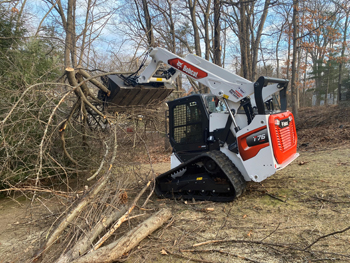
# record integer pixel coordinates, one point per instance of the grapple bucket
(123, 96)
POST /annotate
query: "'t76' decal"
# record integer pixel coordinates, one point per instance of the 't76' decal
(257, 138)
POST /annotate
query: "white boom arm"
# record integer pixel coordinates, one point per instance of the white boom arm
(220, 81)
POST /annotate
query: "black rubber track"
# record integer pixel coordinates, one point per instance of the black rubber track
(227, 170)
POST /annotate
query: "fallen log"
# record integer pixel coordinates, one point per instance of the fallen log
(117, 249)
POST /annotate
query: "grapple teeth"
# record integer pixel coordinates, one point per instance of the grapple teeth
(178, 173)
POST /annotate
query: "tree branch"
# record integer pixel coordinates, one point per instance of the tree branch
(330, 234)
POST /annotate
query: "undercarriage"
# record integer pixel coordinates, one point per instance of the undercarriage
(210, 176)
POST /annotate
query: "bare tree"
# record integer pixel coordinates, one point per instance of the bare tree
(243, 22)
(217, 29)
(78, 36)
(294, 62)
(148, 21)
(192, 8)
(344, 6)
(282, 28)
(206, 11)
(320, 30)
(165, 23)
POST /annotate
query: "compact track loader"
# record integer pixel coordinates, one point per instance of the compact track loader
(223, 139)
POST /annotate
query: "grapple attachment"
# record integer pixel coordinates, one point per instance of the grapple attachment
(123, 96)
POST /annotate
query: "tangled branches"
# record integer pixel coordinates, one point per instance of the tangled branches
(54, 136)
(44, 118)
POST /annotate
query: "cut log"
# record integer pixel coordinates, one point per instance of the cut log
(71, 76)
(117, 249)
(70, 73)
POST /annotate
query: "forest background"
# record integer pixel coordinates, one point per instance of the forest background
(54, 132)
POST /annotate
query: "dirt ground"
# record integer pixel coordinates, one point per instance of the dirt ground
(301, 214)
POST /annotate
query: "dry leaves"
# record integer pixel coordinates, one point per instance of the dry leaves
(123, 197)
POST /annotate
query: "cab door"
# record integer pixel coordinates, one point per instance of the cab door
(188, 126)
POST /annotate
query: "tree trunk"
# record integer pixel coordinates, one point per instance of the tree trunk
(249, 37)
(197, 44)
(73, 36)
(217, 29)
(288, 51)
(172, 28)
(149, 33)
(318, 82)
(225, 43)
(342, 55)
(206, 31)
(70, 39)
(297, 78)
(94, 81)
(256, 42)
(276, 50)
(82, 49)
(304, 85)
(244, 43)
(67, 47)
(294, 62)
(328, 83)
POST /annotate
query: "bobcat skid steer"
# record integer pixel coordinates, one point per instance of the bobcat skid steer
(223, 139)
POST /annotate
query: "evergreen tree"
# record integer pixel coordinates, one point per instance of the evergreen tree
(10, 33)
